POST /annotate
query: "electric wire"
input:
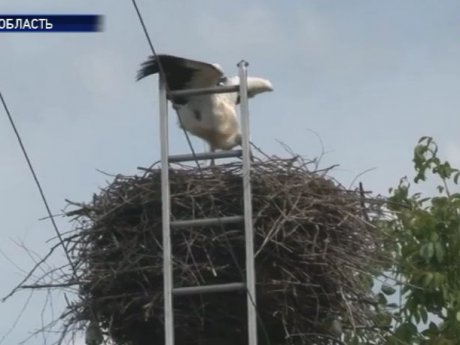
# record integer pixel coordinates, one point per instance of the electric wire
(37, 183)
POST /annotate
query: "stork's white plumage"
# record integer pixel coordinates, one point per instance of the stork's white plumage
(211, 117)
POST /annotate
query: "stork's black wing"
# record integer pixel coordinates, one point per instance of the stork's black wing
(182, 73)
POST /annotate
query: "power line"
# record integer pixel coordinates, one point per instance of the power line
(152, 48)
(37, 182)
(163, 75)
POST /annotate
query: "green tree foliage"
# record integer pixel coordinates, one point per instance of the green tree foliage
(424, 237)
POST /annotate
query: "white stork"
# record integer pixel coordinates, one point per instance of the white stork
(211, 117)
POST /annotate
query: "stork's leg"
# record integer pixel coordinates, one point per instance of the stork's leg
(212, 149)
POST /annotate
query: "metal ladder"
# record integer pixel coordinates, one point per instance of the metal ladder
(168, 225)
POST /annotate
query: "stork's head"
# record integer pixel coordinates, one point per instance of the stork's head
(258, 85)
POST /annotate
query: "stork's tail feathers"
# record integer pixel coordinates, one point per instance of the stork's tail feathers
(148, 67)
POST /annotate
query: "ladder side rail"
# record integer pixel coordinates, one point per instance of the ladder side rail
(247, 198)
(165, 214)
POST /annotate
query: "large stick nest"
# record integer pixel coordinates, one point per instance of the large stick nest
(315, 253)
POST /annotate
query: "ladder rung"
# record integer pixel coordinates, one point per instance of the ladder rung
(206, 221)
(204, 155)
(193, 290)
(205, 91)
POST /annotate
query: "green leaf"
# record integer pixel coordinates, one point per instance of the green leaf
(438, 279)
(456, 176)
(443, 170)
(458, 316)
(444, 341)
(406, 332)
(424, 314)
(383, 319)
(439, 252)
(427, 279)
(425, 138)
(431, 331)
(388, 290)
(416, 316)
(381, 299)
(427, 251)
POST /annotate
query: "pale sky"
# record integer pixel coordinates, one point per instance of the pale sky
(369, 77)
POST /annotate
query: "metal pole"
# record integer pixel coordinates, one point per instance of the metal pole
(247, 197)
(167, 259)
